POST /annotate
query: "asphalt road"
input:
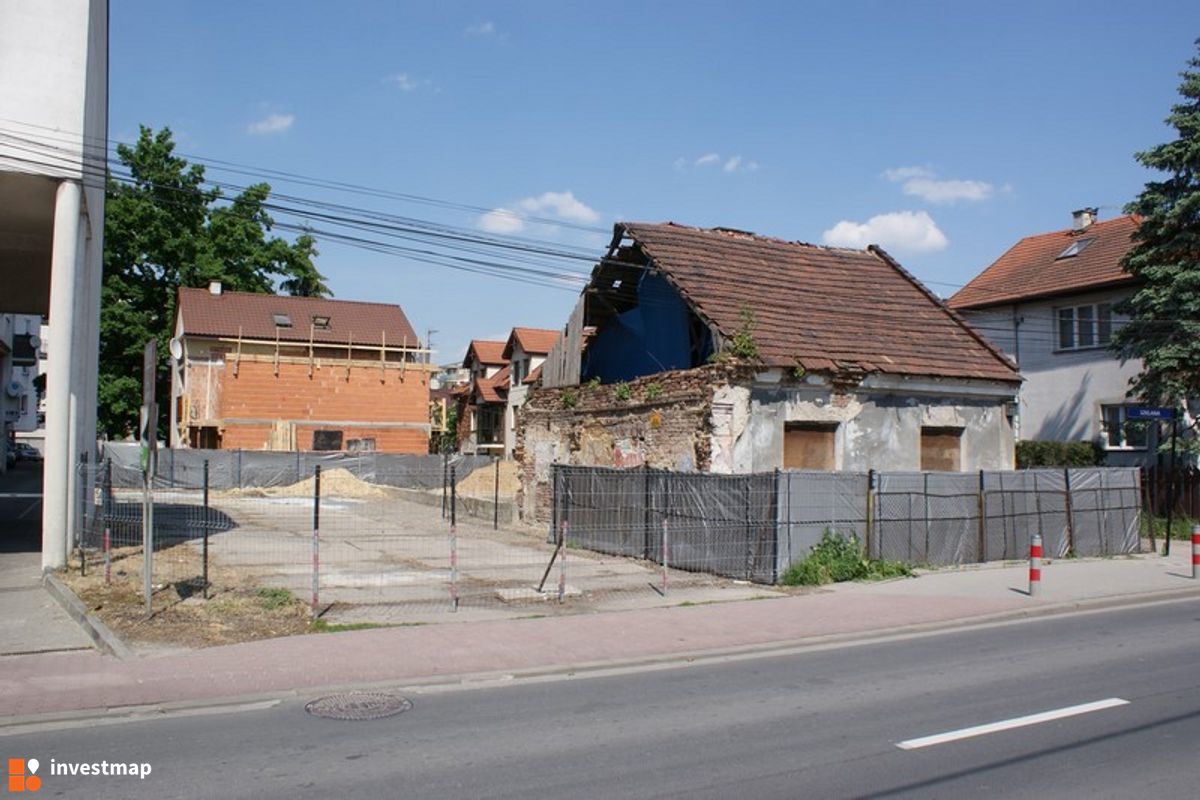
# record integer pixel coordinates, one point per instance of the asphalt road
(818, 723)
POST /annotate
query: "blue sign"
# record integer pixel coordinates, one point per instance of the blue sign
(1150, 413)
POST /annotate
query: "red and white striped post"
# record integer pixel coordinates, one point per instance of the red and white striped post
(562, 562)
(107, 557)
(1035, 565)
(1195, 552)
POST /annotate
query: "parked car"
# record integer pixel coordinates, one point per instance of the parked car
(26, 452)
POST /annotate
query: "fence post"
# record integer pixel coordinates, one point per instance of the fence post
(1035, 565)
(872, 546)
(239, 468)
(925, 501)
(982, 520)
(453, 541)
(563, 533)
(646, 511)
(316, 540)
(147, 540)
(1148, 504)
(204, 575)
(775, 528)
(666, 540)
(496, 498)
(1070, 510)
(107, 556)
(747, 508)
(445, 477)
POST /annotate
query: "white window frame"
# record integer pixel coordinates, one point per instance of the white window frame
(1122, 423)
(1093, 330)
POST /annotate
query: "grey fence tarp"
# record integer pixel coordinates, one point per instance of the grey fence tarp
(237, 469)
(753, 526)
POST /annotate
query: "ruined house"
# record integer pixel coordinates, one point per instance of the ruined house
(266, 372)
(718, 350)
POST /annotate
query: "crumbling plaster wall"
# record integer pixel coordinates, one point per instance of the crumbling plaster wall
(876, 428)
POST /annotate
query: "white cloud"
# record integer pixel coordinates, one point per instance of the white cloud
(732, 164)
(486, 28)
(902, 231)
(555, 205)
(680, 163)
(563, 205)
(406, 82)
(272, 123)
(707, 158)
(751, 166)
(922, 182)
(501, 220)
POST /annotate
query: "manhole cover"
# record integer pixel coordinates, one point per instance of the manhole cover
(358, 705)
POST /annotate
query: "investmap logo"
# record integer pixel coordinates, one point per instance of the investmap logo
(23, 772)
(22, 775)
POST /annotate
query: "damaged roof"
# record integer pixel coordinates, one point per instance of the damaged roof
(266, 316)
(1044, 265)
(826, 309)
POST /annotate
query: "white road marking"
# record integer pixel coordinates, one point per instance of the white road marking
(1009, 724)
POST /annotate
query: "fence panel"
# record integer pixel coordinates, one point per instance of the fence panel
(811, 503)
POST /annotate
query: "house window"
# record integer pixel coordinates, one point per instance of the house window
(282, 320)
(809, 445)
(1120, 432)
(327, 440)
(941, 449)
(364, 445)
(1081, 327)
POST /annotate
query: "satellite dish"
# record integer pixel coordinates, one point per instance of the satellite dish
(14, 389)
(34, 341)
(176, 348)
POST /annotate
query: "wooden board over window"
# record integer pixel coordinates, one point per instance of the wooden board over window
(327, 440)
(941, 449)
(809, 445)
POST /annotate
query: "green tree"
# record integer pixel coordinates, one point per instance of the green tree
(1164, 326)
(164, 229)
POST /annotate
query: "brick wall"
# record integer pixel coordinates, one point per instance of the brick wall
(664, 422)
(362, 393)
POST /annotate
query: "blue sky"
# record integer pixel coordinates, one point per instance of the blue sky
(943, 131)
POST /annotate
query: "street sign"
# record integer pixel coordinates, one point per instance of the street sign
(148, 430)
(1145, 412)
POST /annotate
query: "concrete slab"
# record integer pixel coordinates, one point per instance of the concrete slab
(33, 621)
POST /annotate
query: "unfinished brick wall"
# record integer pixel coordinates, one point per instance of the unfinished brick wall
(369, 402)
(665, 422)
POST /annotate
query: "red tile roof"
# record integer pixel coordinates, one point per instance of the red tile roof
(534, 341)
(1032, 268)
(533, 376)
(487, 351)
(825, 309)
(493, 389)
(206, 314)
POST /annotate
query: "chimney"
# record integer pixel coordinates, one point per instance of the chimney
(1082, 219)
(214, 287)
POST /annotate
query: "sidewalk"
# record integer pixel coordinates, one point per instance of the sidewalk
(33, 621)
(77, 681)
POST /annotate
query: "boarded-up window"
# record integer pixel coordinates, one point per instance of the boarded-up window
(808, 445)
(204, 437)
(941, 449)
(327, 440)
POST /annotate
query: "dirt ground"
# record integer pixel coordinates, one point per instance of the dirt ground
(237, 610)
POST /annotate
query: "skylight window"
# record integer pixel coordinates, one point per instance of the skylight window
(282, 321)
(1076, 247)
(321, 323)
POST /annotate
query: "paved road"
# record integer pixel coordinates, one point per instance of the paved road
(819, 723)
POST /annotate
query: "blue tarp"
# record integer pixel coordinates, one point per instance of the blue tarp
(651, 337)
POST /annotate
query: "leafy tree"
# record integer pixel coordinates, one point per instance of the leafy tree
(163, 230)
(1164, 327)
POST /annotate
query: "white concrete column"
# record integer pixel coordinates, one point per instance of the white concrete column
(60, 456)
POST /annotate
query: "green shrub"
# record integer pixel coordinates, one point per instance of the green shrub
(654, 391)
(836, 558)
(1181, 527)
(622, 391)
(1032, 453)
(271, 598)
(569, 399)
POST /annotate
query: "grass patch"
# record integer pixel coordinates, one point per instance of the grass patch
(321, 626)
(1181, 527)
(836, 558)
(272, 598)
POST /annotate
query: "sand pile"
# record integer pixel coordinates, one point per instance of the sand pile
(482, 482)
(334, 483)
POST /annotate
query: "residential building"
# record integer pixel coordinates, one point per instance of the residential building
(53, 140)
(723, 351)
(1050, 303)
(482, 404)
(20, 348)
(266, 372)
(525, 351)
